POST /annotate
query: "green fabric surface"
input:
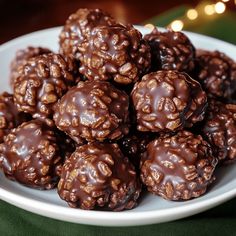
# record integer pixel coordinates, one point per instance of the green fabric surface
(218, 221)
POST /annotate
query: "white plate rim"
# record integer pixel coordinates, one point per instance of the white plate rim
(125, 218)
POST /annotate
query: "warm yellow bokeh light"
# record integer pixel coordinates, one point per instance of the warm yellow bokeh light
(149, 26)
(220, 7)
(177, 25)
(192, 14)
(225, 0)
(209, 9)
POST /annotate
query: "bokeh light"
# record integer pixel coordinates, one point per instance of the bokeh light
(220, 7)
(177, 25)
(192, 14)
(209, 9)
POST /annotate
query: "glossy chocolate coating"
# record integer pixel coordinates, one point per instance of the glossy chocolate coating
(21, 59)
(30, 155)
(98, 175)
(93, 110)
(10, 117)
(168, 101)
(171, 51)
(78, 26)
(217, 74)
(114, 53)
(220, 130)
(44, 79)
(179, 167)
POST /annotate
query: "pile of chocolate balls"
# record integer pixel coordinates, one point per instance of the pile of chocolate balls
(115, 114)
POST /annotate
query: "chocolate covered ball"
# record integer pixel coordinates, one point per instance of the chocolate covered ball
(30, 155)
(220, 130)
(78, 26)
(178, 167)
(21, 58)
(217, 74)
(93, 110)
(97, 175)
(10, 117)
(171, 51)
(168, 101)
(114, 53)
(44, 79)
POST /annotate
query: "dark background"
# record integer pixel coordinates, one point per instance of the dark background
(23, 16)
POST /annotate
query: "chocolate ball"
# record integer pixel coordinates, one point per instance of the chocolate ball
(43, 80)
(10, 117)
(97, 175)
(21, 59)
(134, 144)
(30, 155)
(171, 51)
(114, 53)
(168, 101)
(78, 26)
(219, 129)
(93, 110)
(179, 167)
(217, 74)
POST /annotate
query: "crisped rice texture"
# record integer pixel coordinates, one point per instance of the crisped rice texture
(114, 53)
(93, 110)
(44, 79)
(168, 101)
(78, 26)
(220, 130)
(178, 167)
(217, 74)
(98, 175)
(21, 58)
(171, 51)
(30, 155)
(10, 117)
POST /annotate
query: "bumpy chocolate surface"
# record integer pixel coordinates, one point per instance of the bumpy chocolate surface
(98, 175)
(21, 58)
(30, 155)
(133, 145)
(114, 52)
(179, 167)
(168, 101)
(171, 51)
(217, 74)
(10, 117)
(220, 130)
(44, 79)
(78, 26)
(93, 110)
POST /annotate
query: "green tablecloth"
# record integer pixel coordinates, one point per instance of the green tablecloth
(218, 221)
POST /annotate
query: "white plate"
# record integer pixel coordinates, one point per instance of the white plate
(151, 209)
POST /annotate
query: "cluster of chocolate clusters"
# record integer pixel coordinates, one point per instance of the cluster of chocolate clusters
(113, 111)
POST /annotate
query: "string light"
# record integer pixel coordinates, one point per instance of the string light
(149, 26)
(177, 25)
(219, 7)
(192, 14)
(209, 9)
